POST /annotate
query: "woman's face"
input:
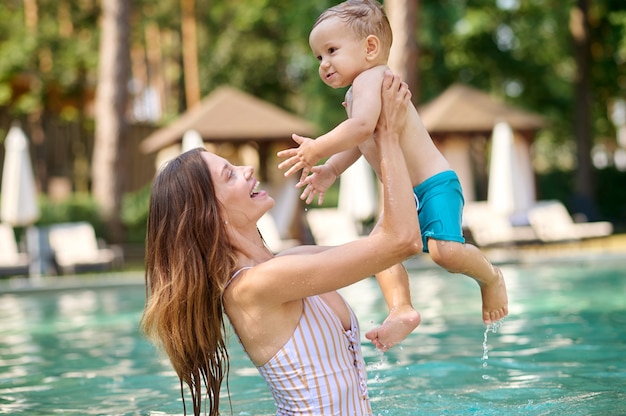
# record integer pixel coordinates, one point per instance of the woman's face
(236, 189)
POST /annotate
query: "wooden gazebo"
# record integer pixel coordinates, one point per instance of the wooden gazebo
(461, 122)
(231, 116)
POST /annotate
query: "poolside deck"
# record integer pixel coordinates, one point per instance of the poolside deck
(610, 248)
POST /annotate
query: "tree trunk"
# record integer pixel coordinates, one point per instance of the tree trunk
(108, 166)
(403, 60)
(584, 183)
(190, 53)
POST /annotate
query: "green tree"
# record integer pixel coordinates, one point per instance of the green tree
(524, 52)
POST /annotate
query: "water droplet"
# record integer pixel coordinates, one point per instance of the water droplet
(492, 327)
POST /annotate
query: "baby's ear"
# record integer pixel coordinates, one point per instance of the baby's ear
(373, 46)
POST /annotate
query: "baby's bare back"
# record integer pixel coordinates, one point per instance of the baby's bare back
(422, 157)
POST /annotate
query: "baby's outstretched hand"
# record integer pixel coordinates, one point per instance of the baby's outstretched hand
(317, 184)
(296, 157)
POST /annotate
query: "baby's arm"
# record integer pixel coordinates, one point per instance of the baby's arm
(363, 114)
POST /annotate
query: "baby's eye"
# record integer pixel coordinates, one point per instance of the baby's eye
(319, 58)
(331, 50)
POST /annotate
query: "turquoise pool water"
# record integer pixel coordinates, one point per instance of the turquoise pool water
(562, 350)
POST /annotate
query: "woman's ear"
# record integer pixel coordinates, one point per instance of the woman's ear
(373, 47)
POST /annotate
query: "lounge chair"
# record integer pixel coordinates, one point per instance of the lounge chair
(12, 261)
(271, 235)
(76, 249)
(552, 223)
(489, 228)
(331, 226)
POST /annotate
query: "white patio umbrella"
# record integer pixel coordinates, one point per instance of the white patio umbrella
(191, 140)
(357, 191)
(511, 188)
(19, 193)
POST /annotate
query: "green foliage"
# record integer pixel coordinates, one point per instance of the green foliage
(135, 214)
(54, 61)
(518, 50)
(78, 207)
(83, 207)
(521, 54)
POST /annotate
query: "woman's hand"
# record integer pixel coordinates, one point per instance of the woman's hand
(396, 98)
(399, 217)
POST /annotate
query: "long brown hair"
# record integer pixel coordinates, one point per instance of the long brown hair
(189, 259)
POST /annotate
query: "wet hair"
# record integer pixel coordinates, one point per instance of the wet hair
(363, 18)
(189, 259)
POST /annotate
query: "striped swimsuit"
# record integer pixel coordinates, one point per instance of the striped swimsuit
(320, 369)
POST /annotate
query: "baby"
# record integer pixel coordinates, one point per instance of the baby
(352, 41)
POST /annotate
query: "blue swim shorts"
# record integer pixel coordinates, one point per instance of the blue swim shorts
(440, 209)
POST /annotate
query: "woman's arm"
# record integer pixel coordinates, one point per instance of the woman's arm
(396, 238)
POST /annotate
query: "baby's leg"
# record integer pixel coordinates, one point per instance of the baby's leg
(468, 259)
(402, 318)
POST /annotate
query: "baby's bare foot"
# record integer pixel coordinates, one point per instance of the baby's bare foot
(495, 300)
(398, 325)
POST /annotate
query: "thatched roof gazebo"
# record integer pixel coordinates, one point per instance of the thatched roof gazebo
(463, 109)
(229, 115)
(461, 121)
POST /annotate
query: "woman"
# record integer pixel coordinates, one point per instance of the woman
(204, 255)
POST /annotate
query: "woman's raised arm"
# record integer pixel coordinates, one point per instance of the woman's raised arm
(395, 238)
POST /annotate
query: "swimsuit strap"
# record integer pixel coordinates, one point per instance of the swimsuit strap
(235, 275)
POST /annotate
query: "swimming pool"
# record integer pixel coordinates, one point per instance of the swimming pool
(561, 350)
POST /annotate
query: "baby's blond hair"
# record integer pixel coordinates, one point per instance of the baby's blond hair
(363, 18)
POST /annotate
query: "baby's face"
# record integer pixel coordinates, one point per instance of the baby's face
(340, 54)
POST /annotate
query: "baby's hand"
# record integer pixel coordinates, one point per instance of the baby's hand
(297, 157)
(317, 183)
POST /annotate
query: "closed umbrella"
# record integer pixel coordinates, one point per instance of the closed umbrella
(19, 194)
(191, 140)
(510, 190)
(357, 191)
(18, 204)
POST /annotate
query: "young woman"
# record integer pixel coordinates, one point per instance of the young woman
(205, 260)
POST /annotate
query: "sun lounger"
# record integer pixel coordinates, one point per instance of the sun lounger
(76, 248)
(12, 261)
(489, 228)
(552, 222)
(331, 226)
